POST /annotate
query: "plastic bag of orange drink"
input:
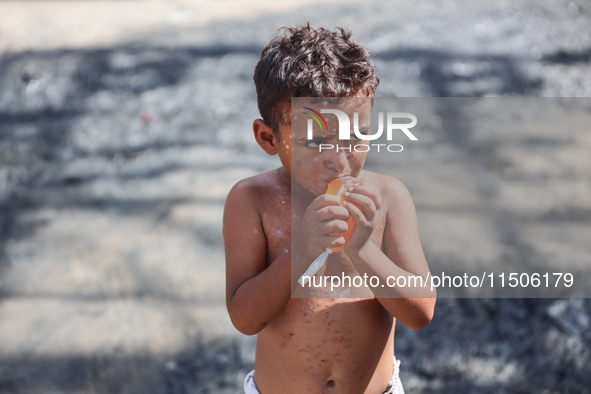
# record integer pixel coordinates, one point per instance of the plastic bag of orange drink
(336, 187)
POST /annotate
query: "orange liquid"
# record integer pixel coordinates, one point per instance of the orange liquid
(337, 187)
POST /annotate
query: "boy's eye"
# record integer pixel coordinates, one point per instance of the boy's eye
(314, 144)
(353, 139)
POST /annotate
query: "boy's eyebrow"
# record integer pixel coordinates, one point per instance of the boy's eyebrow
(320, 137)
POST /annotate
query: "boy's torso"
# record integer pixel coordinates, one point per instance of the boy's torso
(320, 344)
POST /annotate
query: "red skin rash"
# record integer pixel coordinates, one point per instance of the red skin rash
(320, 343)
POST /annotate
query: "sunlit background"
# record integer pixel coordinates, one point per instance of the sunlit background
(123, 124)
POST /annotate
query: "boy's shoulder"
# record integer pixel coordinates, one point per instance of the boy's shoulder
(258, 188)
(260, 183)
(389, 186)
(396, 198)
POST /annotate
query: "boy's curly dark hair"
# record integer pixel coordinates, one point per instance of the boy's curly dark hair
(307, 62)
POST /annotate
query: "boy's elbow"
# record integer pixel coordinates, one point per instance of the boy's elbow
(423, 315)
(247, 329)
(422, 321)
(246, 326)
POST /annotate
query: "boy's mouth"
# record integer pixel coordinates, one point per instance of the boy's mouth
(333, 177)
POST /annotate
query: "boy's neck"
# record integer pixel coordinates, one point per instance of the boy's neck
(284, 177)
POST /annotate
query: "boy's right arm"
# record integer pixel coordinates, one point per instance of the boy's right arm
(258, 290)
(255, 293)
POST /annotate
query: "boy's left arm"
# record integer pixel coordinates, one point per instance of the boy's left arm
(401, 254)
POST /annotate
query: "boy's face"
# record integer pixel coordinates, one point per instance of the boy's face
(313, 163)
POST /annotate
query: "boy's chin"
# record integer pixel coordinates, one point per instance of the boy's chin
(315, 190)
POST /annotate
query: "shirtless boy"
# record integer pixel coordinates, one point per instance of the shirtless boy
(318, 345)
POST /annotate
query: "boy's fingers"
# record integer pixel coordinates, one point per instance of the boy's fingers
(336, 226)
(367, 187)
(333, 212)
(335, 242)
(355, 212)
(371, 192)
(339, 241)
(366, 204)
(325, 200)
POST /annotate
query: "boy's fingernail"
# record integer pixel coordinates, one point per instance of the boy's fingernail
(346, 194)
(351, 188)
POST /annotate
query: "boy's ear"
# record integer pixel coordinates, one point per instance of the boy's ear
(265, 136)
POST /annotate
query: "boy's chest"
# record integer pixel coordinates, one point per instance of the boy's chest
(277, 223)
(282, 218)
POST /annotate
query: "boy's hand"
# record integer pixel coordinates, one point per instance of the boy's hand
(367, 197)
(324, 216)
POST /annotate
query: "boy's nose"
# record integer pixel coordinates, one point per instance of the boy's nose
(338, 160)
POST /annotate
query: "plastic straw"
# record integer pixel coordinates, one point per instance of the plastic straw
(314, 267)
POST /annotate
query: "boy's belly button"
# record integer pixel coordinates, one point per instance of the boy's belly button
(330, 382)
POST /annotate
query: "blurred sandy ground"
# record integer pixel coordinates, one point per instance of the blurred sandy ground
(125, 123)
(118, 286)
(43, 25)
